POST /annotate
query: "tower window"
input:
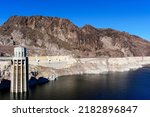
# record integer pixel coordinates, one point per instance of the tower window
(19, 54)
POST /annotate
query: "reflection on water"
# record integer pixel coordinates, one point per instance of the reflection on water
(126, 85)
(18, 96)
(6, 95)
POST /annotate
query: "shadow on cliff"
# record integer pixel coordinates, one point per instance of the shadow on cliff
(34, 82)
(5, 84)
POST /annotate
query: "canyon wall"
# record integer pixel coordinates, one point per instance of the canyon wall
(47, 66)
(68, 65)
(5, 70)
(51, 36)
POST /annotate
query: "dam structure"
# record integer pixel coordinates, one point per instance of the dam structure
(19, 77)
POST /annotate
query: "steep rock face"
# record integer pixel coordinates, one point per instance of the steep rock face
(5, 70)
(56, 36)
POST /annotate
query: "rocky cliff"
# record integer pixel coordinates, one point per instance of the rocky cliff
(5, 70)
(56, 36)
(75, 66)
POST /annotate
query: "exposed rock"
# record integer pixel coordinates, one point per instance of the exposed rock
(56, 36)
(41, 73)
(5, 70)
(89, 66)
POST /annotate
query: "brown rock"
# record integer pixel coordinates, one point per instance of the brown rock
(56, 36)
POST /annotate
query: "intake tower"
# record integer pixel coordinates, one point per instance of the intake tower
(19, 78)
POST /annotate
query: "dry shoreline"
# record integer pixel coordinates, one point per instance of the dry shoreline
(56, 66)
(77, 66)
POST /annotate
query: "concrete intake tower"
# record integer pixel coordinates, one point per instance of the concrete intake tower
(19, 78)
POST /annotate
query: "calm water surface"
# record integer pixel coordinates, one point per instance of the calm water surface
(111, 86)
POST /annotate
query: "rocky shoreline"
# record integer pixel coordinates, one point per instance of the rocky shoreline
(75, 66)
(79, 66)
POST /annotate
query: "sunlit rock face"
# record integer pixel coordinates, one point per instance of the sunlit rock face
(86, 65)
(64, 65)
(5, 70)
(57, 36)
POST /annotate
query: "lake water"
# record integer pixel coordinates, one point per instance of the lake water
(131, 85)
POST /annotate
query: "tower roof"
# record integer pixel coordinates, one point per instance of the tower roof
(19, 47)
(20, 51)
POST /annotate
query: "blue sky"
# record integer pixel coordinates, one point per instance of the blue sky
(132, 16)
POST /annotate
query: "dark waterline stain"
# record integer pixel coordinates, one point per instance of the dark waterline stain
(132, 85)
